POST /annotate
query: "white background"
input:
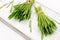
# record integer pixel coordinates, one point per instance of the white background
(7, 34)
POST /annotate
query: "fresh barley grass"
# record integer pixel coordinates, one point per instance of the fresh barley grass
(22, 11)
(45, 24)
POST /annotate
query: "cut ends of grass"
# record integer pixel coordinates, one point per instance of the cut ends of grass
(22, 11)
(45, 24)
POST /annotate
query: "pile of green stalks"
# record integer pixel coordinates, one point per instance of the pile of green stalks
(22, 11)
(45, 24)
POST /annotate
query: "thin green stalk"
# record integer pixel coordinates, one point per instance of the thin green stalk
(42, 36)
(12, 6)
(6, 5)
(10, 3)
(30, 25)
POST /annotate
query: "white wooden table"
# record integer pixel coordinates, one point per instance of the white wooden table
(7, 34)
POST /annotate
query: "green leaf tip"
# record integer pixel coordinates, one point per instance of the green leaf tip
(38, 9)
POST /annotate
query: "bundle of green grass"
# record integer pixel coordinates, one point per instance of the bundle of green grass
(45, 24)
(22, 11)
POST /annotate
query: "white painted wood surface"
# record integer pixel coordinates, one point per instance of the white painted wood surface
(7, 34)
